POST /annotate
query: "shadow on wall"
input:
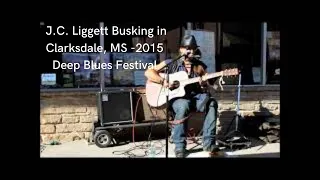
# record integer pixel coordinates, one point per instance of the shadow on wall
(250, 126)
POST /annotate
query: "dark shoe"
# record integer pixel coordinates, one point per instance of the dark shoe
(180, 154)
(214, 149)
(215, 152)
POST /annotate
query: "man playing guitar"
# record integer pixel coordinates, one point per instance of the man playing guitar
(194, 97)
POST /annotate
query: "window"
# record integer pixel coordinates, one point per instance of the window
(241, 46)
(58, 61)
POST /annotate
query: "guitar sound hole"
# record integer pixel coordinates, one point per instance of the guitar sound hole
(175, 85)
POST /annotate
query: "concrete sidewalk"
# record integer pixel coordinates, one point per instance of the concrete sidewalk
(82, 149)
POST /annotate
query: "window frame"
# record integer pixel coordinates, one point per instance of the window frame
(264, 55)
(264, 32)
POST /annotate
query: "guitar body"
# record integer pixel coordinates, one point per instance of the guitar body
(157, 95)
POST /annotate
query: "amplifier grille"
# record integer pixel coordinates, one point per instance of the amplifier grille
(115, 107)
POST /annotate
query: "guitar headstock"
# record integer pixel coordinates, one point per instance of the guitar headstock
(231, 72)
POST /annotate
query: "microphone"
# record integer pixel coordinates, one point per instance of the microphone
(182, 55)
(187, 52)
(196, 56)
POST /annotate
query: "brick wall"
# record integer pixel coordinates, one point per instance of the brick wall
(67, 116)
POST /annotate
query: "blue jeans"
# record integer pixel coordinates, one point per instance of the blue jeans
(181, 108)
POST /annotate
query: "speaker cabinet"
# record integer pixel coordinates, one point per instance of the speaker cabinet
(115, 107)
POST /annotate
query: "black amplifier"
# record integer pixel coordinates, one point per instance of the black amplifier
(115, 107)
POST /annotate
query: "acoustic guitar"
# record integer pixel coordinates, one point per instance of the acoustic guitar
(156, 94)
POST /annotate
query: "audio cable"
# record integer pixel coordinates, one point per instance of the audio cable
(145, 146)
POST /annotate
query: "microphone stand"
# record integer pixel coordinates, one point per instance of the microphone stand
(167, 108)
(167, 114)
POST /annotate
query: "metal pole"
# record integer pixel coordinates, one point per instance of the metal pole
(238, 103)
(264, 53)
(102, 86)
(218, 37)
(189, 26)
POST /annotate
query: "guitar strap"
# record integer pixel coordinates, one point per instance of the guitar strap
(173, 67)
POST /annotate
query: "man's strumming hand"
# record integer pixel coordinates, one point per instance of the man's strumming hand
(166, 84)
(203, 80)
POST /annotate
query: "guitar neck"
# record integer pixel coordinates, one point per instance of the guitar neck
(197, 79)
